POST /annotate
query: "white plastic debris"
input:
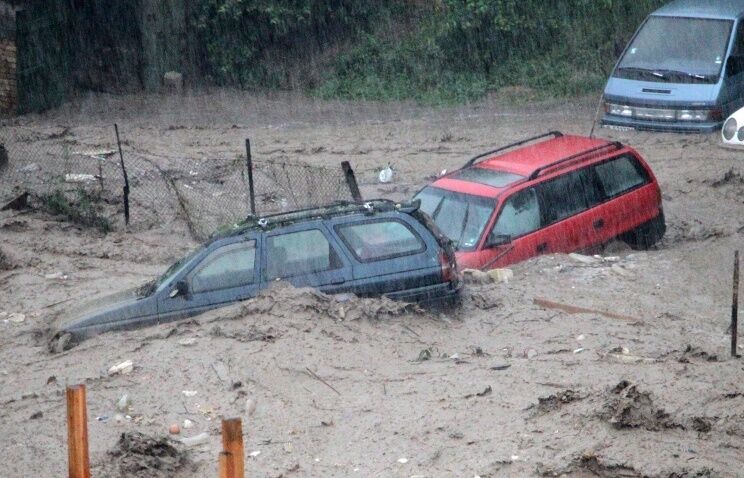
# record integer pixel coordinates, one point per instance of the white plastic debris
(189, 393)
(501, 275)
(187, 341)
(56, 276)
(584, 259)
(124, 403)
(250, 407)
(122, 368)
(386, 175)
(16, 317)
(79, 178)
(254, 454)
(187, 424)
(580, 337)
(403, 460)
(578, 351)
(196, 439)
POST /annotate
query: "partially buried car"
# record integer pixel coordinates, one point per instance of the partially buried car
(559, 194)
(733, 130)
(371, 249)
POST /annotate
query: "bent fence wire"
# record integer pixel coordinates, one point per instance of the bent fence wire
(208, 193)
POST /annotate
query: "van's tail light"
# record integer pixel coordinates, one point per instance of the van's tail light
(449, 267)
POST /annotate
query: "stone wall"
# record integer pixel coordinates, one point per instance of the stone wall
(8, 89)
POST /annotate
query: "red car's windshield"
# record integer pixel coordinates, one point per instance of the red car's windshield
(461, 217)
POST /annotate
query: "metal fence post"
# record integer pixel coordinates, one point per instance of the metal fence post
(735, 307)
(249, 165)
(351, 181)
(126, 178)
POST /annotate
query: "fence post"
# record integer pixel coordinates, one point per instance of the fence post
(351, 181)
(226, 465)
(77, 432)
(249, 165)
(126, 178)
(232, 442)
(735, 307)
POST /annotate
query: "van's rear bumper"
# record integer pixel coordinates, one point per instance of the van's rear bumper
(663, 126)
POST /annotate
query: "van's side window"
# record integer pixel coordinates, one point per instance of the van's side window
(378, 240)
(519, 216)
(298, 253)
(620, 175)
(564, 196)
(227, 267)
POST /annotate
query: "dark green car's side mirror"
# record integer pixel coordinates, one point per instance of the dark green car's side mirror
(496, 240)
(181, 289)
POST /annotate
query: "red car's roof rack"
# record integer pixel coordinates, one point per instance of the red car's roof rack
(616, 145)
(554, 134)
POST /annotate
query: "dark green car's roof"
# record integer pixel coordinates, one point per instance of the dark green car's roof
(322, 212)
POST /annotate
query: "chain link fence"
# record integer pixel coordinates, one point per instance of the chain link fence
(87, 185)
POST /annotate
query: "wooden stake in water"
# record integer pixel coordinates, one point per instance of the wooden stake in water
(735, 307)
(77, 432)
(232, 442)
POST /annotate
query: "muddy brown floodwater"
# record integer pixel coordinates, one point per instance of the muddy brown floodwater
(500, 387)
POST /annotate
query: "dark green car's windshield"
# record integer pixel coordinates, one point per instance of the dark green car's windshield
(461, 217)
(155, 284)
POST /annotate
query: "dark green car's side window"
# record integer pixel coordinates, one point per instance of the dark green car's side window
(227, 267)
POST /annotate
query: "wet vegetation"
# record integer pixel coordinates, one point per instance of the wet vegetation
(441, 51)
(83, 209)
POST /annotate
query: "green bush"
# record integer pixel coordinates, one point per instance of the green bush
(81, 210)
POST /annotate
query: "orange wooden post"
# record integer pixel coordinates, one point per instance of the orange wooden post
(77, 432)
(232, 442)
(226, 465)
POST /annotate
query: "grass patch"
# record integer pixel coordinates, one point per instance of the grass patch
(81, 210)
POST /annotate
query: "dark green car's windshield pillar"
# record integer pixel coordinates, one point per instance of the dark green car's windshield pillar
(461, 217)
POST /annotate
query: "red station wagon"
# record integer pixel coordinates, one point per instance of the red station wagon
(560, 194)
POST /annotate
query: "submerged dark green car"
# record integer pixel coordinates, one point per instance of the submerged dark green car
(372, 249)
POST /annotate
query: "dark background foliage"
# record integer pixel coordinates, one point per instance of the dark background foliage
(436, 51)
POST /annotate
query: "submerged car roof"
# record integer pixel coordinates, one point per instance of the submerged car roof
(720, 9)
(521, 163)
(341, 208)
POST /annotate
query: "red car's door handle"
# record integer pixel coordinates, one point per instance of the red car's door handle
(599, 224)
(542, 247)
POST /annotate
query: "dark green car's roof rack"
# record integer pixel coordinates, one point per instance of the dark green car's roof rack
(339, 208)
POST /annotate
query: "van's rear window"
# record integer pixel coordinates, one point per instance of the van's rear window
(380, 239)
(489, 177)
